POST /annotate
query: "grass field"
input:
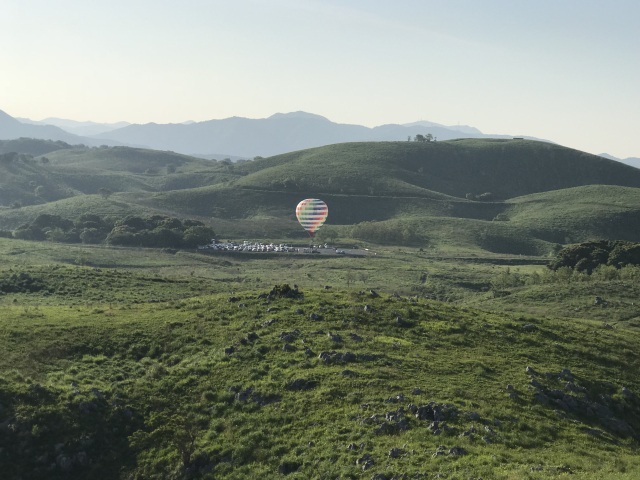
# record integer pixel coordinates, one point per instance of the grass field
(131, 372)
(449, 350)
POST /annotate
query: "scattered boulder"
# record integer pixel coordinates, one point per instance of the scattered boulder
(541, 398)
(473, 416)
(289, 337)
(400, 322)
(286, 468)
(435, 412)
(457, 451)
(529, 327)
(315, 317)
(394, 422)
(337, 357)
(535, 383)
(285, 291)
(334, 337)
(395, 399)
(366, 461)
(600, 302)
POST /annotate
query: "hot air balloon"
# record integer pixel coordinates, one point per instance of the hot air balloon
(311, 214)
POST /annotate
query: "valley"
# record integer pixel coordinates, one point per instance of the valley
(448, 349)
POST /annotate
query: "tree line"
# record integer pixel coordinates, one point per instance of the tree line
(157, 231)
(586, 257)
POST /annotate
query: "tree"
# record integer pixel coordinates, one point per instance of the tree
(56, 235)
(327, 234)
(424, 138)
(198, 235)
(91, 235)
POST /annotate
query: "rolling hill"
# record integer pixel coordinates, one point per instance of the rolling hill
(158, 363)
(505, 168)
(150, 376)
(505, 196)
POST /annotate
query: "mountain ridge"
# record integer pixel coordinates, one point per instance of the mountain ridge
(236, 137)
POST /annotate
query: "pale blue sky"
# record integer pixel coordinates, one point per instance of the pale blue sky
(564, 70)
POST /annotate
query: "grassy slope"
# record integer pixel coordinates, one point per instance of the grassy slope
(408, 185)
(507, 168)
(31, 146)
(580, 213)
(78, 171)
(127, 384)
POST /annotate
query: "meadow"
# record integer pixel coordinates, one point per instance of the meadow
(450, 350)
(133, 363)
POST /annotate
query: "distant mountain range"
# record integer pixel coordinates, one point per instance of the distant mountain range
(633, 161)
(280, 133)
(234, 137)
(75, 127)
(12, 128)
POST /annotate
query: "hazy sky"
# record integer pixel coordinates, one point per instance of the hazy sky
(563, 70)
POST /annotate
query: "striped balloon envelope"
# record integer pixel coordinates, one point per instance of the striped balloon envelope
(311, 214)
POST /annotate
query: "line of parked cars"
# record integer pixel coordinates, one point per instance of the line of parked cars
(247, 246)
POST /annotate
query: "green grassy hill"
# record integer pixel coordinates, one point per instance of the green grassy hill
(507, 196)
(505, 168)
(32, 146)
(71, 172)
(579, 214)
(154, 381)
(136, 363)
